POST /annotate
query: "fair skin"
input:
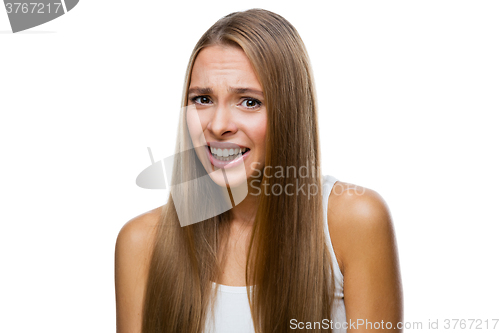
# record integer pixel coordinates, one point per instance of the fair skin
(360, 224)
(229, 107)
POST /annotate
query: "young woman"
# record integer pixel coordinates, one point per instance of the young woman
(244, 243)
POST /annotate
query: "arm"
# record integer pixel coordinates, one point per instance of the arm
(365, 245)
(132, 253)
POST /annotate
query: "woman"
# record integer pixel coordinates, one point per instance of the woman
(244, 242)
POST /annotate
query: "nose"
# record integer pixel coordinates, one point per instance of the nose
(222, 122)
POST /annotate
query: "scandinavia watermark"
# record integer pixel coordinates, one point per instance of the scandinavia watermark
(292, 188)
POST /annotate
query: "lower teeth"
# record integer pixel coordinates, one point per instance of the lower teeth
(226, 159)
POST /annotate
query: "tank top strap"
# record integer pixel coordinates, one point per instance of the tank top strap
(327, 186)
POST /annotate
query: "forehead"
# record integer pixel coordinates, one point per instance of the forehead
(217, 64)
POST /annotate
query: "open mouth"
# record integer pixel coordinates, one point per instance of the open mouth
(227, 154)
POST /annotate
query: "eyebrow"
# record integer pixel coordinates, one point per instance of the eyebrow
(200, 91)
(245, 90)
(208, 91)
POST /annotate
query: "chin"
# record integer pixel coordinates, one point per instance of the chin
(234, 177)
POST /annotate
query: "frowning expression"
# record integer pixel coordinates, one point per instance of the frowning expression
(229, 122)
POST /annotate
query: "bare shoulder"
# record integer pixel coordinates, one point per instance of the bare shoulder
(364, 242)
(133, 251)
(356, 216)
(139, 228)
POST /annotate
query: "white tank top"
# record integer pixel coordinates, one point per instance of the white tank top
(232, 310)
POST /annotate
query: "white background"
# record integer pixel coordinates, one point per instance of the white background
(408, 101)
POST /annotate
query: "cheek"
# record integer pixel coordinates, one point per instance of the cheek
(262, 131)
(259, 130)
(261, 136)
(194, 126)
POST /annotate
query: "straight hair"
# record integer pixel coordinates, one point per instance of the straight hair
(288, 265)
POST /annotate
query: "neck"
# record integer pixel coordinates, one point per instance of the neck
(245, 211)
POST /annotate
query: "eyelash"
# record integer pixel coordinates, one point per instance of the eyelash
(193, 99)
(259, 103)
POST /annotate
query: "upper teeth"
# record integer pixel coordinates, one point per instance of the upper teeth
(227, 152)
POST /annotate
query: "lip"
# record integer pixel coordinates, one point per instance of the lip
(226, 165)
(224, 145)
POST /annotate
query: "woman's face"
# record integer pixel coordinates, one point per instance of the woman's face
(226, 114)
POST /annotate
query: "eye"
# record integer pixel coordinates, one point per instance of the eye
(201, 100)
(251, 103)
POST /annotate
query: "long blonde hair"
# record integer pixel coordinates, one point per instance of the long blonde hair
(288, 263)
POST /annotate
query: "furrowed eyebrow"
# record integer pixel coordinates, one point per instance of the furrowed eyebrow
(245, 90)
(200, 91)
(209, 91)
